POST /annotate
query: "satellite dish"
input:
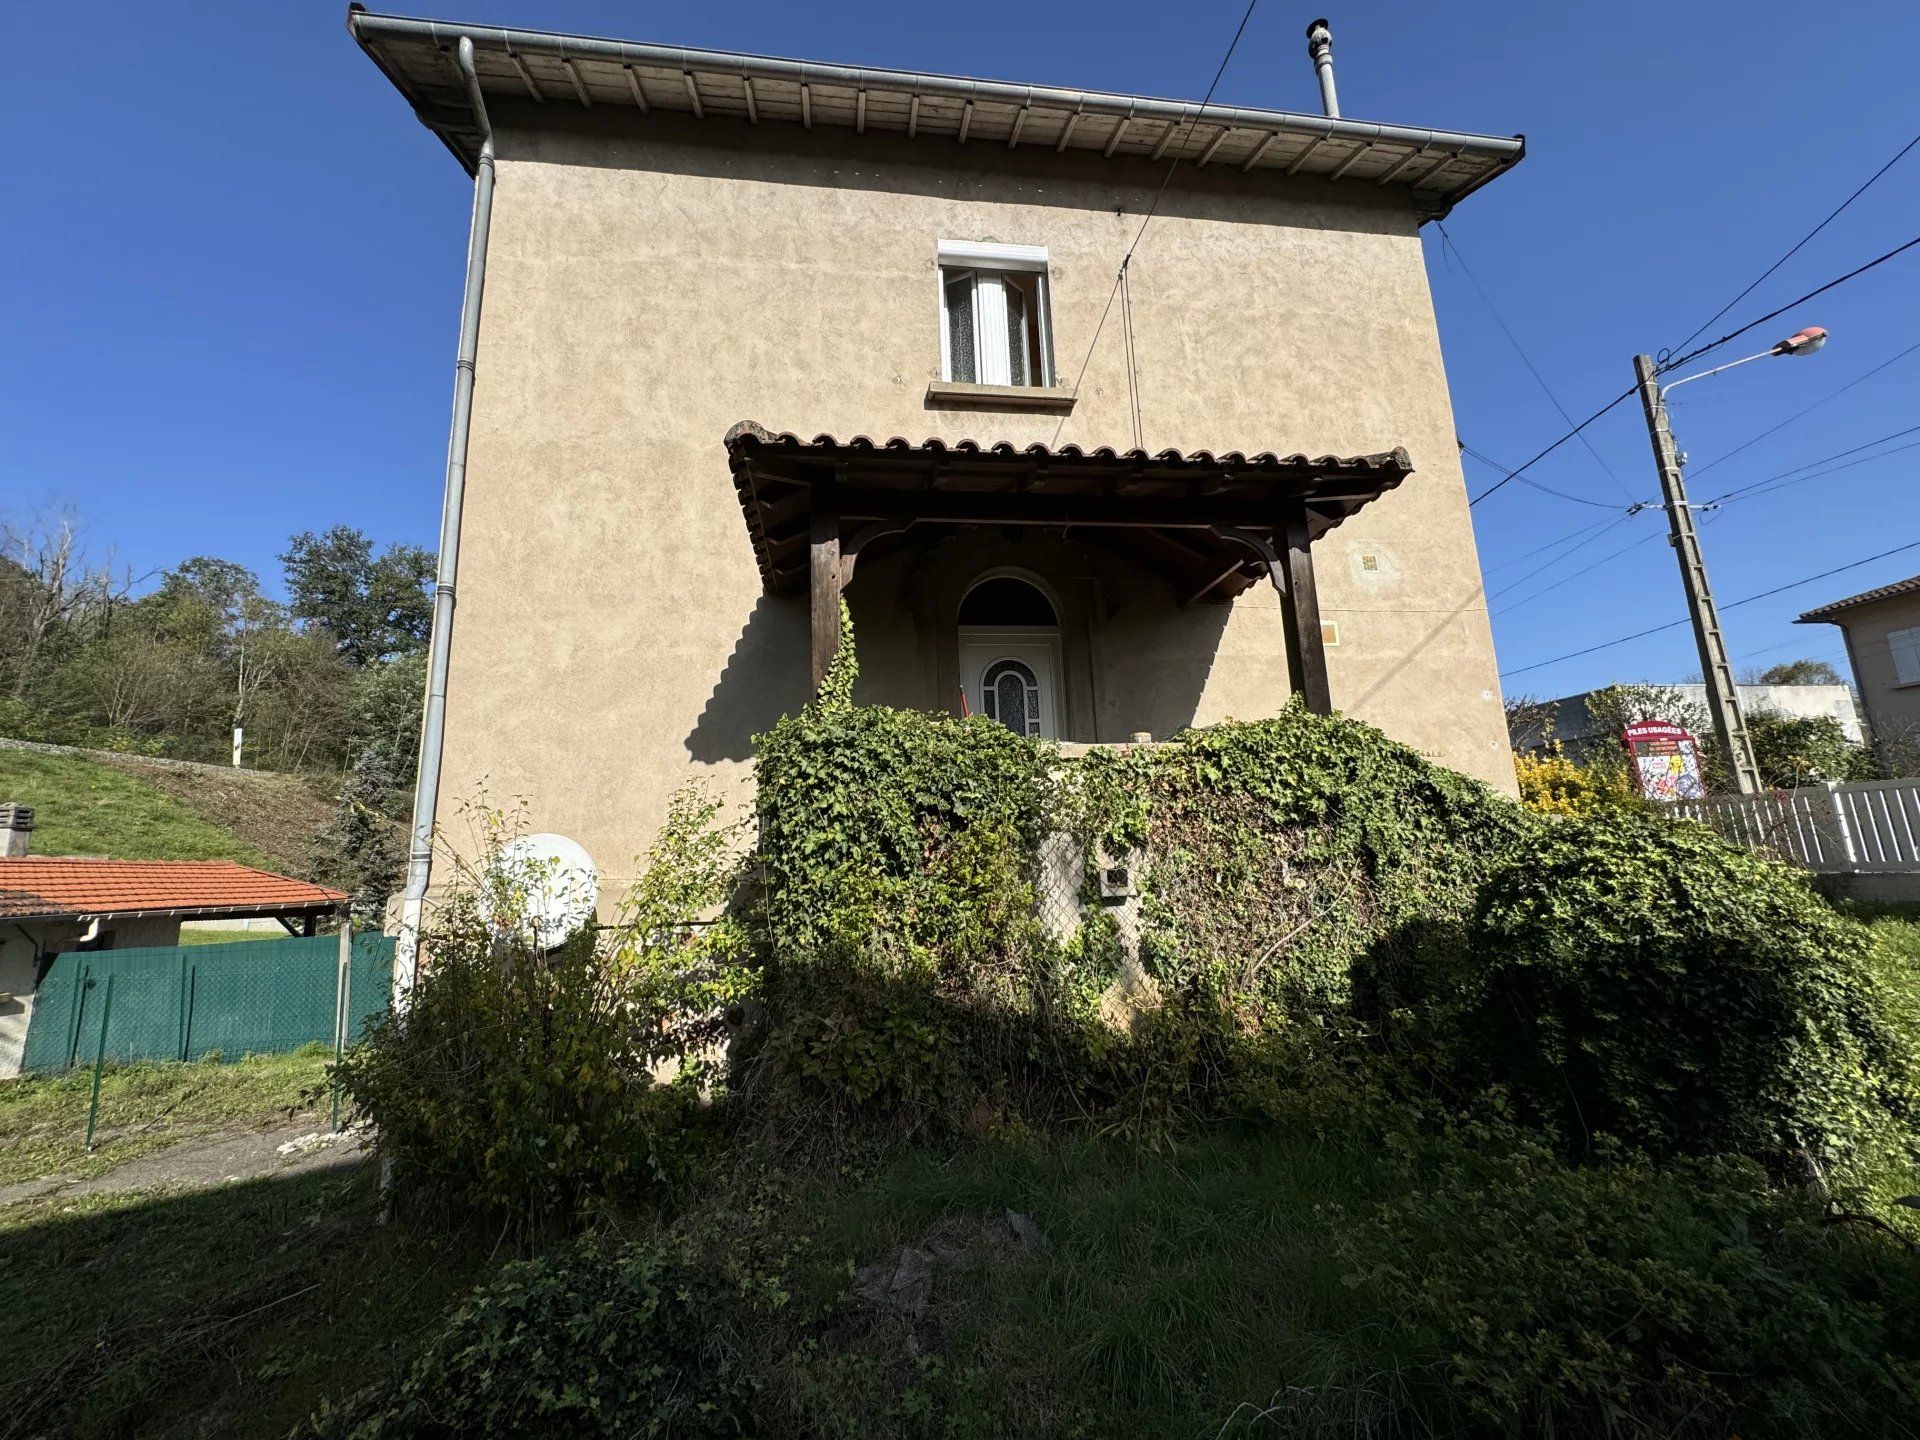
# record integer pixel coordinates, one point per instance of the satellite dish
(549, 885)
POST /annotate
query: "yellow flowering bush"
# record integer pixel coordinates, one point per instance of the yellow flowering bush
(1551, 784)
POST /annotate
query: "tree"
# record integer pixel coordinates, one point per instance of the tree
(50, 597)
(215, 607)
(359, 851)
(1796, 750)
(374, 607)
(383, 715)
(1799, 672)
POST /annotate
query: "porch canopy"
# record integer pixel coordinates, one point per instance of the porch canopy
(1211, 525)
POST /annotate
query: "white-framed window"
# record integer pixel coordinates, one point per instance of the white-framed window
(1905, 645)
(994, 323)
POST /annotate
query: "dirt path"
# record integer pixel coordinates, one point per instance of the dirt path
(205, 1161)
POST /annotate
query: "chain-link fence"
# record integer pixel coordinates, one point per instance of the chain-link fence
(187, 1002)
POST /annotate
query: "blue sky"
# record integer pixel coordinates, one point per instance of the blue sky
(232, 261)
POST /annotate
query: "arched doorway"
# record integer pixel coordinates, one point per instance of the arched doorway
(1010, 653)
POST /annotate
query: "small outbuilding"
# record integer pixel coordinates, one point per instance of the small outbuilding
(51, 905)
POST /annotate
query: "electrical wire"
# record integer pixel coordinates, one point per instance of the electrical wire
(1742, 492)
(1675, 362)
(1154, 209)
(1535, 484)
(1512, 585)
(1516, 474)
(1447, 241)
(1567, 580)
(1832, 216)
(1822, 474)
(1696, 472)
(1526, 555)
(1733, 605)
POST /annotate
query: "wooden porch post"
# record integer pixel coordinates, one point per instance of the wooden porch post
(1302, 607)
(824, 562)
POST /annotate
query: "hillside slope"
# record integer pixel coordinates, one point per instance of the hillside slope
(90, 802)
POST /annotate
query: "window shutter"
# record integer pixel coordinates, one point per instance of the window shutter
(1905, 645)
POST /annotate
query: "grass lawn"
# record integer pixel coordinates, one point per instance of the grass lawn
(203, 935)
(232, 1311)
(143, 1107)
(1175, 1279)
(1180, 1286)
(86, 808)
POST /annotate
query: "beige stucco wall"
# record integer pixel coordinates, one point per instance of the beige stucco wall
(1892, 709)
(653, 281)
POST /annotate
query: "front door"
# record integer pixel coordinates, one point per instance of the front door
(1013, 677)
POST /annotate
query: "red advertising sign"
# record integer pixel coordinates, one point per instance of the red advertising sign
(1666, 761)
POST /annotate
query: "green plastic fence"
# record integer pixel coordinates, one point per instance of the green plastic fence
(183, 1002)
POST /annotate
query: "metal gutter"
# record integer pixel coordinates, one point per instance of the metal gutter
(426, 790)
(219, 912)
(370, 29)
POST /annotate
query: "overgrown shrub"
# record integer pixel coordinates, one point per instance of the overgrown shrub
(1281, 854)
(1643, 978)
(1552, 784)
(526, 1081)
(591, 1340)
(909, 968)
(903, 943)
(1681, 1299)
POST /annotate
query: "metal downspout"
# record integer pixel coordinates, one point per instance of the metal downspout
(426, 785)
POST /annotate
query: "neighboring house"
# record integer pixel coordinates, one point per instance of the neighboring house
(1882, 628)
(50, 905)
(709, 278)
(1570, 722)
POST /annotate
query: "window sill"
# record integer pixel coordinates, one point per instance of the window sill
(942, 394)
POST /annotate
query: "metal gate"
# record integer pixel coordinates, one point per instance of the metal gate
(185, 1002)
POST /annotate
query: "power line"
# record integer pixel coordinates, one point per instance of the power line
(1697, 473)
(1583, 570)
(1743, 492)
(1486, 459)
(1525, 359)
(1618, 520)
(1154, 208)
(1832, 216)
(1822, 474)
(1542, 549)
(1517, 473)
(1748, 600)
(1675, 362)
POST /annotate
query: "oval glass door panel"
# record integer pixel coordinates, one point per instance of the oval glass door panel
(1010, 693)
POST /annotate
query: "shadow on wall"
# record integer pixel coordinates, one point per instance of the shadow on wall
(1154, 662)
(765, 677)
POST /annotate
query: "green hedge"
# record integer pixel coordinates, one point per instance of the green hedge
(1640, 977)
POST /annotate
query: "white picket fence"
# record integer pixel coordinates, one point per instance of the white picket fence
(1851, 827)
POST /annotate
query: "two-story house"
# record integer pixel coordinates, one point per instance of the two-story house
(1106, 414)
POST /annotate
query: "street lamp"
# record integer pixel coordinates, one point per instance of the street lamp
(1723, 696)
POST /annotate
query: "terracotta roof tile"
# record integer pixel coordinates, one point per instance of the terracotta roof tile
(58, 885)
(1909, 586)
(944, 481)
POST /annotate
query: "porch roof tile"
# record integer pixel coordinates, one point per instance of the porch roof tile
(1165, 510)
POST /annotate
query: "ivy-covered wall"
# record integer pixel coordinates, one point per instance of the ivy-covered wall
(1283, 868)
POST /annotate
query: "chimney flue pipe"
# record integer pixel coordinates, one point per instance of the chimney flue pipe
(1320, 47)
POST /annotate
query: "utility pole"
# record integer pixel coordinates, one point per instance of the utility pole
(1723, 696)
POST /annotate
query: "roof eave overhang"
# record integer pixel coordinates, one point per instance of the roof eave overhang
(215, 912)
(1194, 502)
(1440, 167)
